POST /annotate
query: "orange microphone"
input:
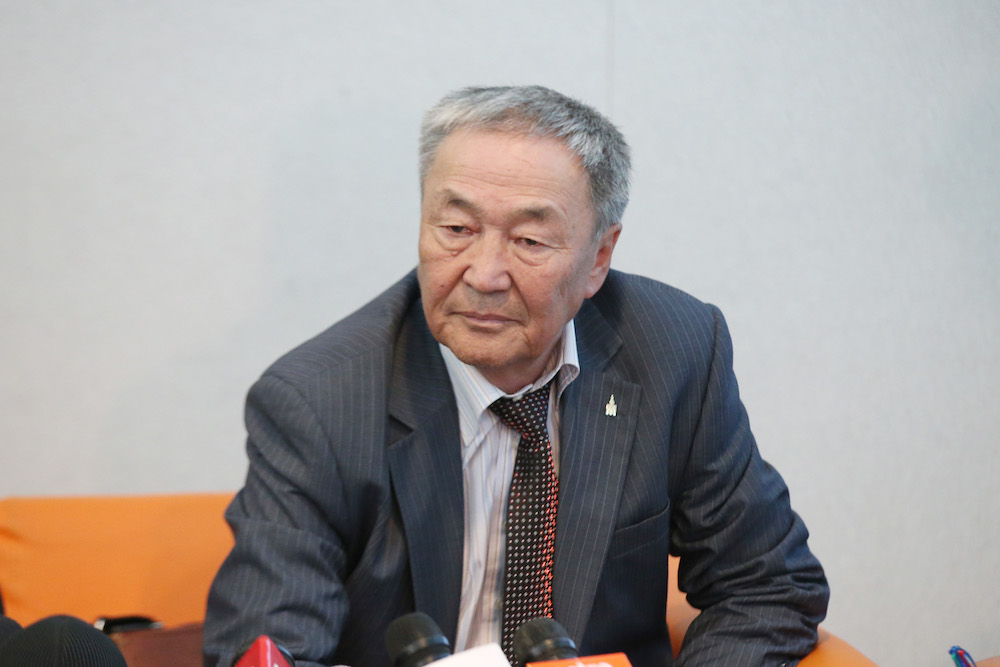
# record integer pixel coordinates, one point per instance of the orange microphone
(543, 642)
(606, 660)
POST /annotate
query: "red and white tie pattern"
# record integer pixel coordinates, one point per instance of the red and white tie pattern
(531, 515)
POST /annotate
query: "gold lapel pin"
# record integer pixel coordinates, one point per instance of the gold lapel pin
(611, 409)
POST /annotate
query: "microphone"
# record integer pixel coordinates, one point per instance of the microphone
(265, 652)
(8, 627)
(415, 640)
(543, 641)
(60, 641)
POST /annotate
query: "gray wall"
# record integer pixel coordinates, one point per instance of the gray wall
(188, 189)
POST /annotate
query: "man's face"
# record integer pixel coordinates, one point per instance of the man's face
(507, 250)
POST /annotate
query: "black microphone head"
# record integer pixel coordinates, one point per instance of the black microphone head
(542, 639)
(414, 640)
(60, 641)
(8, 626)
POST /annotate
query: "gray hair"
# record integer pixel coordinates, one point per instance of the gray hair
(539, 111)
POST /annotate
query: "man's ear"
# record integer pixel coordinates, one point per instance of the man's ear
(602, 260)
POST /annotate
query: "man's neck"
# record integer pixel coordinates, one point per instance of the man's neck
(563, 353)
(513, 380)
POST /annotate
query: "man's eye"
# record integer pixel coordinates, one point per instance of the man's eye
(456, 229)
(530, 243)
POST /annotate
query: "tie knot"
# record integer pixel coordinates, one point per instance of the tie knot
(527, 415)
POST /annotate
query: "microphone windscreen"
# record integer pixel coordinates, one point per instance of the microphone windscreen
(60, 641)
(8, 626)
(414, 640)
(542, 639)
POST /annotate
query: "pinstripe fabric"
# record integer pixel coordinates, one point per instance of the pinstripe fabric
(352, 511)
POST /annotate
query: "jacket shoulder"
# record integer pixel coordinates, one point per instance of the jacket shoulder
(640, 306)
(369, 331)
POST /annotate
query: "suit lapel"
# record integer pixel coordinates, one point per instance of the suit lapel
(425, 468)
(595, 442)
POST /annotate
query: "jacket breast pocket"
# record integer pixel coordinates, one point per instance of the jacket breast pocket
(632, 590)
(649, 537)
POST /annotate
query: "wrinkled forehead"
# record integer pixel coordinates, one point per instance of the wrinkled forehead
(516, 128)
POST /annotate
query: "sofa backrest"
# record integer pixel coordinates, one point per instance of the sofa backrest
(93, 556)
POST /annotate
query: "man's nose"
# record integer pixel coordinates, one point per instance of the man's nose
(489, 265)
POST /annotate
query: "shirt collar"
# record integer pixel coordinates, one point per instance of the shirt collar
(474, 393)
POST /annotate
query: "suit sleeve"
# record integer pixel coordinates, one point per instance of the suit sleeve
(284, 576)
(744, 558)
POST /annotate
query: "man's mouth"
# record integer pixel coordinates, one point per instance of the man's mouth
(484, 319)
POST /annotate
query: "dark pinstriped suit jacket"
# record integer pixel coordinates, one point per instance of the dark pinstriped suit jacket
(352, 510)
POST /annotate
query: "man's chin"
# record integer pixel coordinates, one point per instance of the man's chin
(480, 358)
(488, 355)
(498, 361)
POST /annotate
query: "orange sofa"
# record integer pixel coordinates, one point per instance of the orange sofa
(155, 556)
(97, 556)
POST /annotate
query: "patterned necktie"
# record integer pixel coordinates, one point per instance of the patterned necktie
(531, 515)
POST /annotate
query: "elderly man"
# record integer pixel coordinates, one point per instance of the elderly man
(514, 430)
